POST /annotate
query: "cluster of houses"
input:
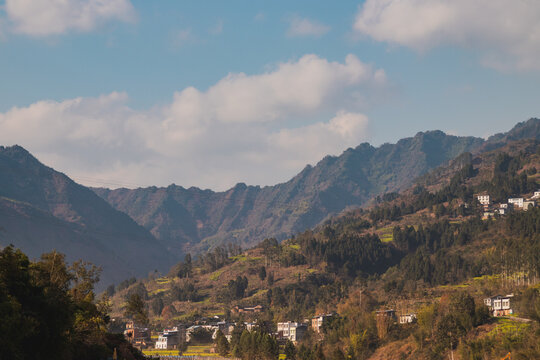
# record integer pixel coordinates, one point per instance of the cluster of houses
(519, 203)
(173, 338)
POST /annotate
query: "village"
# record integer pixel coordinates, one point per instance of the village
(206, 330)
(177, 337)
(491, 209)
(173, 338)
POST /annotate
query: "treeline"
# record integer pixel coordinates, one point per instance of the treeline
(506, 181)
(297, 300)
(429, 257)
(48, 310)
(520, 252)
(348, 254)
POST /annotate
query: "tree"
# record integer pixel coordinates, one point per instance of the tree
(157, 306)
(270, 279)
(222, 345)
(290, 351)
(135, 309)
(262, 273)
(47, 310)
(201, 336)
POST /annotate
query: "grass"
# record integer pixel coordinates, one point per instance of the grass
(386, 234)
(239, 258)
(163, 280)
(215, 275)
(150, 352)
(509, 328)
(157, 291)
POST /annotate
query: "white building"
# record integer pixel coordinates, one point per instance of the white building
(407, 318)
(483, 199)
(499, 305)
(292, 331)
(517, 202)
(169, 339)
(536, 195)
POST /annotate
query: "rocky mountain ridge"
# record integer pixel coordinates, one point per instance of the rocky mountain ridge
(194, 219)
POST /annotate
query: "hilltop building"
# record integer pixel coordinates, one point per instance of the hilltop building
(499, 305)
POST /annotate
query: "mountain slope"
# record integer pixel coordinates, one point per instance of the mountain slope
(184, 218)
(42, 209)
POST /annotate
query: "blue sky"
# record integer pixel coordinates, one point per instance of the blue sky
(210, 93)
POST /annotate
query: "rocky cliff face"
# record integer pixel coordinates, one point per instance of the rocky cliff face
(197, 219)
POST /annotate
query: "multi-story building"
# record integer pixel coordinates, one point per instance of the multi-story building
(483, 199)
(169, 339)
(292, 331)
(516, 202)
(499, 305)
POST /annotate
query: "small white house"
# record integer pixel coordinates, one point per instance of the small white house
(407, 318)
(516, 202)
(484, 199)
(536, 195)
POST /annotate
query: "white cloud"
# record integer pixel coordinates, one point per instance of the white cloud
(304, 27)
(53, 17)
(506, 33)
(259, 129)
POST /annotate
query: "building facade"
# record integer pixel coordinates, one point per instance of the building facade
(292, 331)
(499, 305)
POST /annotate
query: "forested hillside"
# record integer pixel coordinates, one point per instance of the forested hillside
(424, 252)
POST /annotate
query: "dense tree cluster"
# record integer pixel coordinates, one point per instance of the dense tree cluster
(256, 345)
(185, 291)
(48, 310)
(348, 253)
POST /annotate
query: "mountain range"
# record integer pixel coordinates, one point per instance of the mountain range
(130, 232)
(194, 219)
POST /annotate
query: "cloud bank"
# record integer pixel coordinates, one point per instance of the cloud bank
(505, 33)
(259, 129)
(53, 17)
